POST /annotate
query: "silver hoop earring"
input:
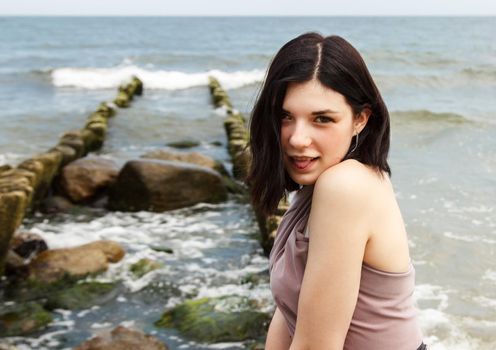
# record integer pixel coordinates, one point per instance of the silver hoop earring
(356, 144)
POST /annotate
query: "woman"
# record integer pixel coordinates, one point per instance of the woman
(340, 268)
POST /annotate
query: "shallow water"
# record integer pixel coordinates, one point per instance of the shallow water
(437, 76)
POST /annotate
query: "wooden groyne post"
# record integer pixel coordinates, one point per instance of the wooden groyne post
(24, 186)
(237, 144)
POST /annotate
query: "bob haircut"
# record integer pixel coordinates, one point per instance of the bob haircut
(336, 64)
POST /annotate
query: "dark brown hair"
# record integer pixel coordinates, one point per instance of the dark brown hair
(336, 64)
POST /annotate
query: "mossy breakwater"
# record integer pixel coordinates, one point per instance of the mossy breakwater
(23, 187)
(237, 144)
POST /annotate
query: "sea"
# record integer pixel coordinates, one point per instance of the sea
(437, 76)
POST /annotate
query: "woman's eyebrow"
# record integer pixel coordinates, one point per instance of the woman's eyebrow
(324, 111)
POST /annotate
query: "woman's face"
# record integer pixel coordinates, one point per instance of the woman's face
(317, 128)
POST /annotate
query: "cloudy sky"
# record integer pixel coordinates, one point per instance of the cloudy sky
(248, 7)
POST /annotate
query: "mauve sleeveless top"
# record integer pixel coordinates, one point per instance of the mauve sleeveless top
(385, 316)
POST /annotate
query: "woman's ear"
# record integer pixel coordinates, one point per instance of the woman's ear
(362, 119)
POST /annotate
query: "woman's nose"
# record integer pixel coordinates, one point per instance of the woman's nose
(300, 137)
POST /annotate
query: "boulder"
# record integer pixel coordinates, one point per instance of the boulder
(27, 244)
(55, 204)
(23, 319)
(183, 144)
(213, 320)
(122, 338)
(192, 158)
(85, 178)
(202, 160)
(159, 185)
(77, 262)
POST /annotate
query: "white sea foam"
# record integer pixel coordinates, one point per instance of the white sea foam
(106, 78)
(10, 158)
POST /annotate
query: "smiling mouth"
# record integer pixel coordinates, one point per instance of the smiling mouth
(302, 163)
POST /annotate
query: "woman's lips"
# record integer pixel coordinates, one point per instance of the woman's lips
(302, 163)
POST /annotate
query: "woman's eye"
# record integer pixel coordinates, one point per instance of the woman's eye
(323, 119)
(285, 117)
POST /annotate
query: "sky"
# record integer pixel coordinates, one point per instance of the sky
(249, 7)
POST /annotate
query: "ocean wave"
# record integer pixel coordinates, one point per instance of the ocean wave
(426, 116)
(106, 78)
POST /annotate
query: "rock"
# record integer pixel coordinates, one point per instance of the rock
(122, 338)
(202, 160)
(80, 296)
(143, 266)
(213, 320)
(163, 249)
(27, 244)
(55, 204)
(216, 143)
(112, 250)
(84, 178)
(6, 346)
(192, 158)
(23, 319)
(256, 278)
(77, 262)
(158, 185)
(183, 144)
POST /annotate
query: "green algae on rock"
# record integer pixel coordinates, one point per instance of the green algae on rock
(213, 320)
(23, 319)
(183, 144)
(143, 266)
(80, 296)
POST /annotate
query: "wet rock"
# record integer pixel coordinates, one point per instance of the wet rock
(256, 278)
(192, 158)
(55, 204)
(163, 249)
(81, 296)
(158, 185)
(27, 244)
(23, 319)
(85, 178)
(122, 338)
(201, 160)
(77, 262)
(213, 320)
(183, 144)
(6, 346)
(143, 266)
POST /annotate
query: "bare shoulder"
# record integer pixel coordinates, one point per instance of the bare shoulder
(351, 177)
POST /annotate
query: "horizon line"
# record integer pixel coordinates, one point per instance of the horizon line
(247, 15)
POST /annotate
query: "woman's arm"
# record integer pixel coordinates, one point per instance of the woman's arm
(278, 337)
(339, 230)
